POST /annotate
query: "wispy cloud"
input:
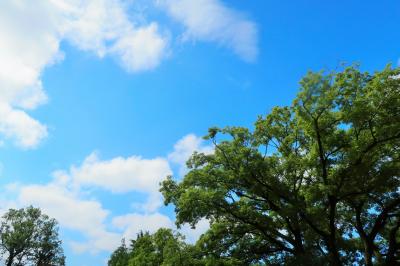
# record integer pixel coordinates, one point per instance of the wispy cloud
(211, 20)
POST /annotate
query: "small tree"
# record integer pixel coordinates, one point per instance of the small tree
(120, 257)
(29, 237)
(163, 248)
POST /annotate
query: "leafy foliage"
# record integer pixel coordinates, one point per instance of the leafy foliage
(314, 183)
(120, 257)
(161, 248)
(29, 237)
(164, 248)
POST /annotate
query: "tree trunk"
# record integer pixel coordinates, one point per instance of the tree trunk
(368, 254)
(334, 254)
(393, 246)
(10, 260)
(332, 247)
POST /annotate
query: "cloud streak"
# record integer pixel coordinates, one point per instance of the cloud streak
(212, 21)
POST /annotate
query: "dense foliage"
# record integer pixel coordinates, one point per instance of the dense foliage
(162, 248)
(165, 248)
(28, 237)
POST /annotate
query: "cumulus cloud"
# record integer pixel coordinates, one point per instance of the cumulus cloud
(185, 147)
(69, 197)
(104, 27)
(211, 20)
(31, 32)
(18, 125)
(121, 175)
(140, 49)
(28, 43)
(71, 210)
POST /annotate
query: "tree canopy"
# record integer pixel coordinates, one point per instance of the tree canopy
(164, 248)
(313, 183)
(28, 237)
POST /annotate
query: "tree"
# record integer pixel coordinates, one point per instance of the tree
(164, 247)
(47, 249)
(314, 183)
(29, 237)
(120, 257)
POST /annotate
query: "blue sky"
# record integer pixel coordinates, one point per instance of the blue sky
(101, 99)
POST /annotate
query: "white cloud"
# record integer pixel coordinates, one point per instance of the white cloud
(211, 20)
(68, 197)
(70, 208)
(28, 43)
(185, 147)
(140, 49)
(121, 175)
(72, 212)
(30, 34)
(103, 26)
(193, 234)
(18, 125)
(131, 224)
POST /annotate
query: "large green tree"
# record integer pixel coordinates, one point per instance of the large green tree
(313, 183)
(28, 237)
